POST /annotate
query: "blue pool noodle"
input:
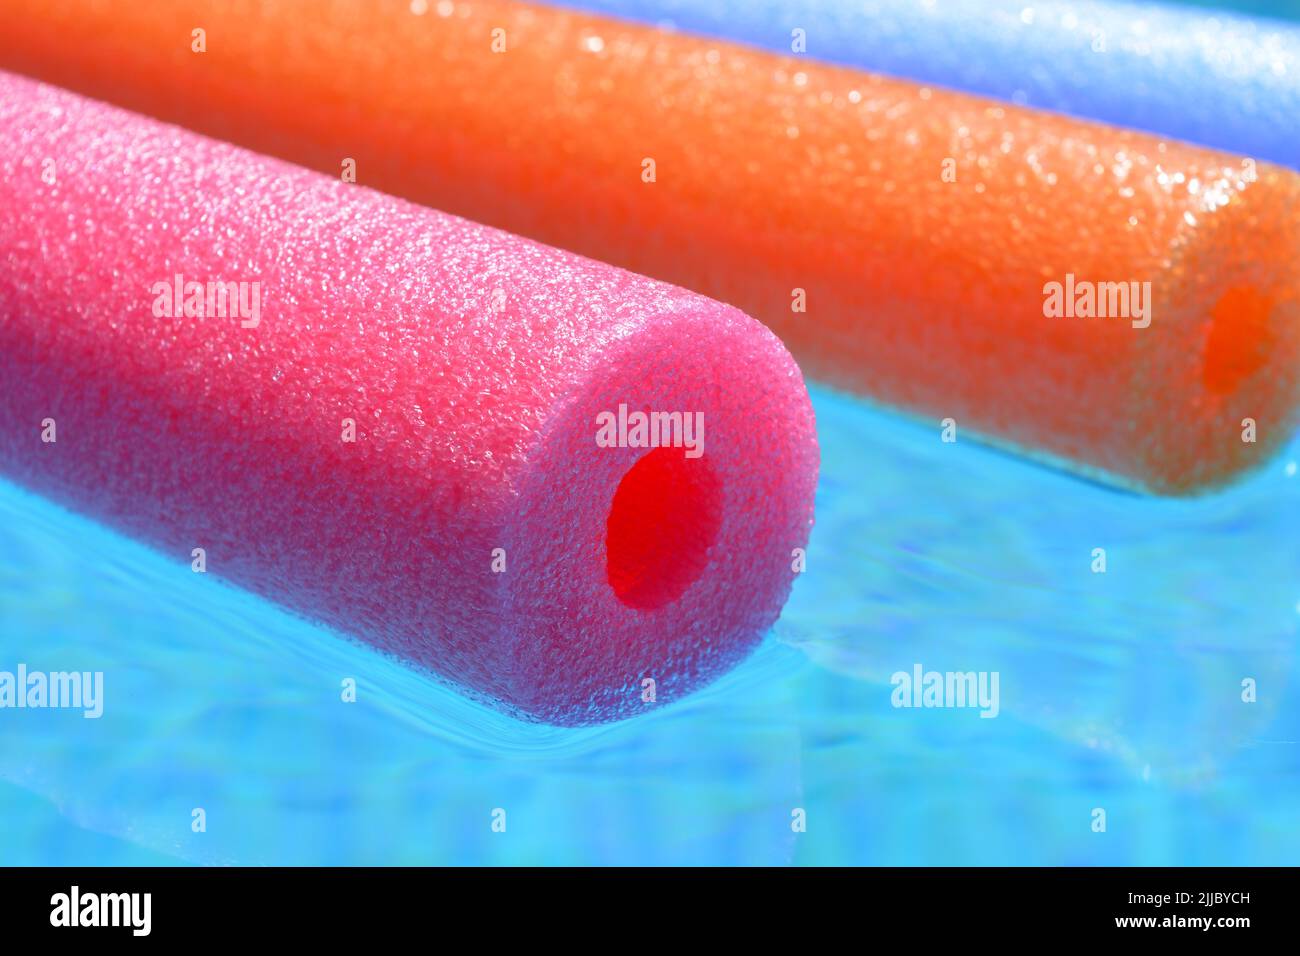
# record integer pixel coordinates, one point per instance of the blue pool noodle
(1221, 80)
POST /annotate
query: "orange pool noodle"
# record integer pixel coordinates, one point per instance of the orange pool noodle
(938, 252)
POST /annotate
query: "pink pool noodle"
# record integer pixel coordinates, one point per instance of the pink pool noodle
(475, 527)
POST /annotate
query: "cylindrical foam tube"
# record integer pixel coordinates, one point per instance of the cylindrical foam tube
(1222, 80)
(542, 478)
(939, 252)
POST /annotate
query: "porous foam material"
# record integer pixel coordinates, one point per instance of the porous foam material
(1222, 80)
(916, 229)
(474, 366)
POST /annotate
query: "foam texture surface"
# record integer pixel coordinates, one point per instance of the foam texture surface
(919, 228)
(1223, 80)
(474, 365)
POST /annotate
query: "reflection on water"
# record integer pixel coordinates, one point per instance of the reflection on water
(1119, 690)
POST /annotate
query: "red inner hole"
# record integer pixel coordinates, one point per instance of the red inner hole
(665, 516)
(1239, 339)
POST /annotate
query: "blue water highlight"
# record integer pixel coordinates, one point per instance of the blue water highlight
(1119, 691)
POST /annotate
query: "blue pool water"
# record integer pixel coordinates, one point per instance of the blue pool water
(1119, 691)
(1285, 9)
